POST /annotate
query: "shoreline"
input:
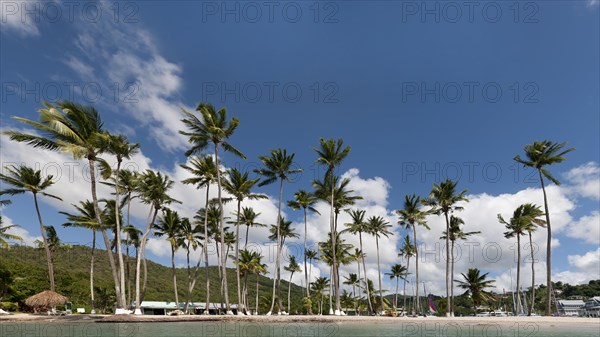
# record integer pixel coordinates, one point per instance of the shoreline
(83, 318)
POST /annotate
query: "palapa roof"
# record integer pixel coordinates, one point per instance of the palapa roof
(46, 299)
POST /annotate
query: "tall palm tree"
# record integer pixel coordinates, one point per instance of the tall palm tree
(24, 179)
(408, 250)
(353, 280)
(239, 184)
(249, 217)
(4, 235)
(456, 233)
(331, 154)
(378, 227)
(258, 269)
(204, 173)
(412, 216)
(77, 130)
(292, 267)
(191, 239)
(132, 238)
(442, 200)
(119, 146)
(213, 128)
(86, 218)
(246, 264)
(128, 182)
(539, 155)
(153, 189)
(534, 212)
(304, 200)
(475, 284)
(360, 226)
(169, 226)
(319, 288)
(397, 272)
(278, 166)
(311, 255)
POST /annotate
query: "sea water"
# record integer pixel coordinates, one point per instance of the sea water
(316, 329)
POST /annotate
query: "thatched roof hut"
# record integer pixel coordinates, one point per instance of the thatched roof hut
(45, 300)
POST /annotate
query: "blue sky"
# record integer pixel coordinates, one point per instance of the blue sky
(418, 100)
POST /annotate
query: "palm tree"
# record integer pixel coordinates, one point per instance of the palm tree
(86, 218)
(128, 182)
(132, 238)
(238, 184)
(248, 217)
(443, 199)
(331, 154)
(292, 267)
(311, 255)
(277, 166)
(204, 173)
(534, 212)
(215, 128)
(411, 217)
(456, 233)
(397, 272)
(169, 226)
(359, 226)
(305, 200)
(475, 285)
(378, 226)
(539, 155)
(246, 264)
(25, 179)
(258, 269)
(191, 239)
(408, 250)
(523, 220)
(153, 188)
(354, 281)
(119, 146)
(318, 289)
(77, 130)
(343, 257)
(4, 235)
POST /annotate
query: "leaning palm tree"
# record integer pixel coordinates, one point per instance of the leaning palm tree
(533, 212)
(475, 284)
(360, 226)
(397, 272)
(278, 166)
(292, 267)
(304, 200)
(204, 173)
(119, 146)
(86, 218)
(213, 128)
(539, 155)
(239, 185)
(128, 182)
(191, 239)
(378, 227)
(169, 226)
(412, 216)
(153, 189)
(456, 233)
(4, 235)
(443, 199)
(408, 250)
(249, 217)
(77, 130)
(24, 179)
(331, 154)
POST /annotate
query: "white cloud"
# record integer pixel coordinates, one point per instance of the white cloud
(20, 17)
(585, 180)
(590, 261)
(27, 238)
(586, 228)
(592, 3)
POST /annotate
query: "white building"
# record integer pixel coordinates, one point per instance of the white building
(591, 308)
(164, 308)
(569, 307)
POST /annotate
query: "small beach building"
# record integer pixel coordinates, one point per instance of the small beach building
(165, 308)
(591, 308)
(569, 307)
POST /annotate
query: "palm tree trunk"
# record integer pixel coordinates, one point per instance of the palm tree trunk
(205, 251)
(141, 255)
(304, 254)
(275, 283)
(127, 271)
(46, 248)
(396, 294)
(189, 278)
(237, 266)
(404, 287)
(92, 304)
(416, 260)
(145, 262)
(519, 305)
(247, 232)
(289, 291)
(548, 249)
(111, 258)
(448, 308)
(532, 307)
(118, 237)
(222, 230)
(334, 280)
(256, 300)
(174, 277)
(451, 284)
(365, 273)
(379, 272)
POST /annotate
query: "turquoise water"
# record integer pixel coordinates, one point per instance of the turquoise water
(399, 329)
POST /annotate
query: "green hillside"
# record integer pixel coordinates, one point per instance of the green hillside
(23, 273)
